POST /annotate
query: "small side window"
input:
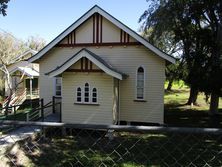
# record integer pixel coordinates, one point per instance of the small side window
(140, 83)
(94, 95)
(58, 86)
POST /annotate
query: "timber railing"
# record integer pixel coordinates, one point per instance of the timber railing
(38, 113)
(17, 98)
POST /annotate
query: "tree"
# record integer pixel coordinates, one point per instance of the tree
(166, 42)
(160, 18)
(9, 49)
(197, 25)
(35, 43)
(211, 11)
(175, 72)
(3, 6)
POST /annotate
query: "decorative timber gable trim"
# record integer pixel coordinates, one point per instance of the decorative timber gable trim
(89, 58)
(97, 38)
(97, 14)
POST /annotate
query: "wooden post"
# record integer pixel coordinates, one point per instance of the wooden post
(14, 108)
(30, 88)
(27, 116)
(42, 109)
(53, 104)
(60, 112)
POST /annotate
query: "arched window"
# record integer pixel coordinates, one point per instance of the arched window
(86, 95)
(94, 95)
(79, 94)
(140, 83)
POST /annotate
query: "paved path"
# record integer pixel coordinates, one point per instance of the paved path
(21, 133)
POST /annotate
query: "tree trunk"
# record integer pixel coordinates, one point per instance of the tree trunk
(214, 102)
(193, 96)
(170, 84)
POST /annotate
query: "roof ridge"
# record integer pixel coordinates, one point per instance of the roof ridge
(114, 21)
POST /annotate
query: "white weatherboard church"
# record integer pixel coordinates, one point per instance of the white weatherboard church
(104, 72)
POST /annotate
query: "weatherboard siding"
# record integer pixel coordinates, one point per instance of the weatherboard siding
(127, 60)
(84, 33)
(110, 32)
(82, 113)
(97, 30)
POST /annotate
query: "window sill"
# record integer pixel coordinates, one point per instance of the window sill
(140, 100)
(56, 96)
(82, 103)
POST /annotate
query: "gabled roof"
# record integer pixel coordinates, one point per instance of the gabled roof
(93, 10)
(27, 71)
(102, 64)
(19, 57)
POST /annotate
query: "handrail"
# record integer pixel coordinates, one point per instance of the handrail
(13, 97)
(14, 106)
(48, 103)
(33, 113)
(13, 93)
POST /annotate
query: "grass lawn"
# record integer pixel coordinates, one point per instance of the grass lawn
(21, 112)
(19, 116)
(179, 114)
(93, 148)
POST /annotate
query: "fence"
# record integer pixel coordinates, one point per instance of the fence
(58, 144)
(36, 110)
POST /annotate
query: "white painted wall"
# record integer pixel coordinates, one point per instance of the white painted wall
(87, 113)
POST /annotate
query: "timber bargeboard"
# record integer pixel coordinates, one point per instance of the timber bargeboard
(126, 36)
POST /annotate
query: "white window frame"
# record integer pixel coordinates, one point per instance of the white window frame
(78, 96)
(85, 92)
(55, 88)
(144, 83)
(83, 95)
(96, 95)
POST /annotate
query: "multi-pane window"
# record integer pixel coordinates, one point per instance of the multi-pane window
(94, 95)
(140, 83)
(58, 86)
(79, 95)
(86, 93)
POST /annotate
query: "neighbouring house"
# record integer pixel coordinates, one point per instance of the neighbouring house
(104, 72)
(24, 79)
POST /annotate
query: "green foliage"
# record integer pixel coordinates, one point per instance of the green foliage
(176, 72)
(180, 85)
(195, 26)
(3, 7)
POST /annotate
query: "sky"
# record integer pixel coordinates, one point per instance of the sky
(48, 18)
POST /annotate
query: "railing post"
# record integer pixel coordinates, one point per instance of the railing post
(14, 112)
(53, 104)
(42, 109)
(60, 112)
(27, 116)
